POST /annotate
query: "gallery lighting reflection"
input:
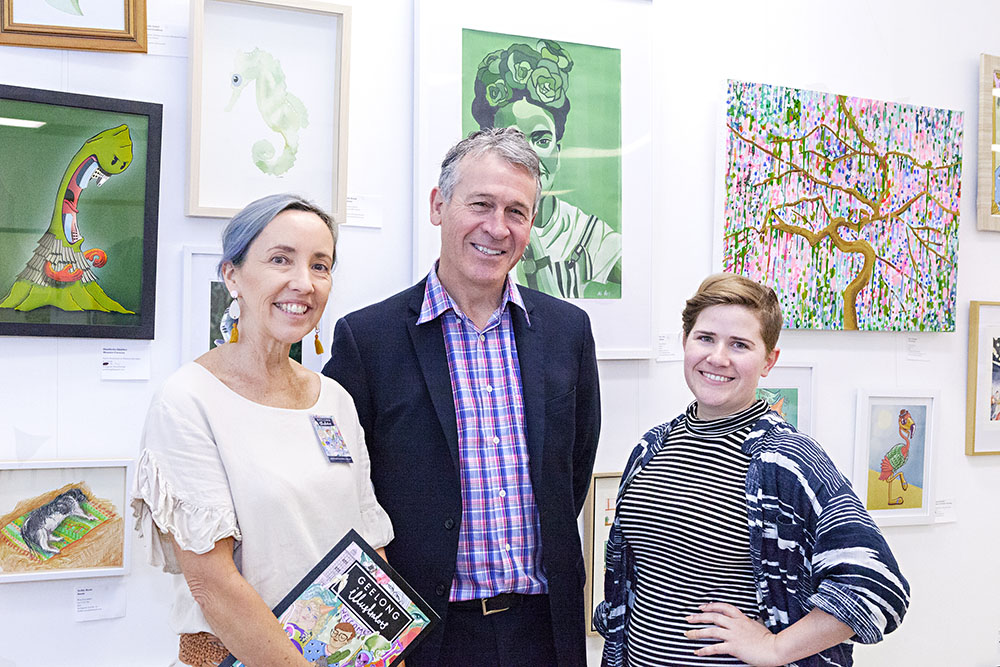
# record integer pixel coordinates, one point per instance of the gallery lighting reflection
(17, 122)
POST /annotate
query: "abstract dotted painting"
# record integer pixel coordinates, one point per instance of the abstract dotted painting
(847, 207)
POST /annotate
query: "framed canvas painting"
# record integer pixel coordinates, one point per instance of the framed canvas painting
(92, 25)
(988, 196)
(64, 519)
(78, 234)
(982, 401)
(848, 207)
(598, 515)
(788, 390)
(893, 476)
(260, 123)
(581, 94)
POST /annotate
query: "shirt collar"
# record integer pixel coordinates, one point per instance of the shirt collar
(438, 301)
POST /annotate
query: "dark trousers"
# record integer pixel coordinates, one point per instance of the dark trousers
(522, 635)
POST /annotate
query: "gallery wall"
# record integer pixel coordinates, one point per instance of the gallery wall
(53, 404)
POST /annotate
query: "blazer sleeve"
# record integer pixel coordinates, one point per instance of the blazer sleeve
(347, 368)
(588, 418)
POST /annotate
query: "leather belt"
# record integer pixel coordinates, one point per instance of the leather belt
(494, 605)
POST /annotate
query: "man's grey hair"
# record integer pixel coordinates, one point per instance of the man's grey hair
(508, 143)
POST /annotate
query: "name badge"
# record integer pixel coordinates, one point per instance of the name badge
(330, 440)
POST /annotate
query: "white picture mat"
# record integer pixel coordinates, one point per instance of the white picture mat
(866, 402)
(99, 14)
(200, 264)
(224, 177)
(622, 327)
(800, 376)
(987, 431)
(110, 479)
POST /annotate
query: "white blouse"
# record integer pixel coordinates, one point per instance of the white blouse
(215, 464)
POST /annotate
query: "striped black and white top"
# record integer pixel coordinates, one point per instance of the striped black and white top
(685, 518)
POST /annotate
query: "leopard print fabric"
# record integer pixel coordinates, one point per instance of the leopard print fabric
(201, 649)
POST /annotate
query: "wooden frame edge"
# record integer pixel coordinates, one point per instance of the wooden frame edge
(985, 220)
(133, 39)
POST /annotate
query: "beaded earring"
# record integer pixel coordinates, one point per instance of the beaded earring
(234, 313)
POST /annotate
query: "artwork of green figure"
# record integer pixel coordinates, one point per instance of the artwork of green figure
(282, 111)
(571, 253)
(59, 271)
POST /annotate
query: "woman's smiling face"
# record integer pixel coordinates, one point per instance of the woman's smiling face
(284, 281)
(724, 359)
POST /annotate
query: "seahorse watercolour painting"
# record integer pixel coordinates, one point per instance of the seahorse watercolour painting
(60, 273)
(896, 456)
(282, 111)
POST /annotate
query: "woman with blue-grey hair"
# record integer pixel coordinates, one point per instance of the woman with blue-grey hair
(253, 467)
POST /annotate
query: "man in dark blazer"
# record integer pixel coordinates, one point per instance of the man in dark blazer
(500, 561)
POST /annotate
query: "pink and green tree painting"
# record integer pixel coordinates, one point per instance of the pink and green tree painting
(847, 207)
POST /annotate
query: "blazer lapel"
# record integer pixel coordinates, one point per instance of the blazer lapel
(531, 360)
(428, 343)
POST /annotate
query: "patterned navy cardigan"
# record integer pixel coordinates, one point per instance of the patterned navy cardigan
(812, 544)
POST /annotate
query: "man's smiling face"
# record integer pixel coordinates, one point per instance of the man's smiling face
(486, 225)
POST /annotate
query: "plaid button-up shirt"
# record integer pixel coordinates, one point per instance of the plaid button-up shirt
(498, 541)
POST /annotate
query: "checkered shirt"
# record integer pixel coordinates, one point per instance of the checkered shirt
(498, 542)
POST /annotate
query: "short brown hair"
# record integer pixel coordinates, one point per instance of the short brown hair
(728, 289)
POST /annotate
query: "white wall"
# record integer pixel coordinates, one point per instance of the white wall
(914, 51)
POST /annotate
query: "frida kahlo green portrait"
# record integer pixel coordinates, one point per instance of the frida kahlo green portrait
(566, 98)
(77, 238)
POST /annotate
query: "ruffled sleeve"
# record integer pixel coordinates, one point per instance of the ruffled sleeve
(181, 492)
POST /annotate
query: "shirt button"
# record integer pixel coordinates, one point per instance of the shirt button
(503, 493)
(439, 590)
(506, 547)
(496, 440)
(481, 338)
(449, 523)
(489, 388)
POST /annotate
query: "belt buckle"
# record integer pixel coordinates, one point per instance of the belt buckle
(487, 612)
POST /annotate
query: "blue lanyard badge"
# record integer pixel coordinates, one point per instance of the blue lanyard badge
(330, 440)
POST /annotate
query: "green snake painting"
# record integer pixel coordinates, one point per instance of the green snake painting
(59, 271)
(283, 112)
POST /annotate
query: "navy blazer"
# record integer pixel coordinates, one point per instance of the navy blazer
(398, 374)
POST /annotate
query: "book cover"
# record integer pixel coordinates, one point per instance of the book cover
(352, 610)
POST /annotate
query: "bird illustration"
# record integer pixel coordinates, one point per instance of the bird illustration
(896, 457)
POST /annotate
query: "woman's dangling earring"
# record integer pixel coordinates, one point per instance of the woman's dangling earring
(318, 342)
(234, 314)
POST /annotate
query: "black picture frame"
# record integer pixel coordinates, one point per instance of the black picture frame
(61, 143)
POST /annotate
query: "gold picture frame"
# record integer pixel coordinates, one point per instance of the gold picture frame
(44, 26)
(601, 499)
(228, 160)
(988, 197)
(982, 414)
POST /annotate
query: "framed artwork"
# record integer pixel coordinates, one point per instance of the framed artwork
(847, 207)
(64, 519)
(78, 237)
(92, 25)
(788, 390)
(582, 96)
(205, 323)
(260, 124)
(598, 515)
(982, 401)
(892, 456)
(988, 195)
